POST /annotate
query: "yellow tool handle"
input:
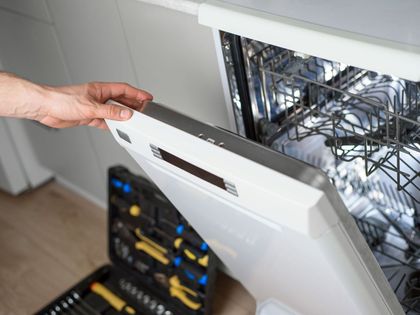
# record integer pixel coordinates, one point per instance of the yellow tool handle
(179, 294)
(115, 301)
(176, 283)
(179, 291)
(152, 251)
(204, 261)
(178, 242)
(150, 242)
(189, 254)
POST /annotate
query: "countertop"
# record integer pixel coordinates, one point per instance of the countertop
(391, 20)
(186, 6)
(397, 21)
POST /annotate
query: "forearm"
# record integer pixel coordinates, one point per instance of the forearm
(20, 98)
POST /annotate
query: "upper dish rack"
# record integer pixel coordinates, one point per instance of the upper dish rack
(360, 114)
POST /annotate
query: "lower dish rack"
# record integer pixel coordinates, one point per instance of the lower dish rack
(398, 254)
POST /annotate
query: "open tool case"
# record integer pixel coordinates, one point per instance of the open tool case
(159, 264)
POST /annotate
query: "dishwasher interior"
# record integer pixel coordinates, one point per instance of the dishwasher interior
(360, 127)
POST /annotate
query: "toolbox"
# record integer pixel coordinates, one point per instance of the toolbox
(159, 264)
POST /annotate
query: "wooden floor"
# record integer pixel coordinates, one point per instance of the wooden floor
(50, 238)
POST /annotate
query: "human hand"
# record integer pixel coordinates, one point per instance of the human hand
(69, 106)
(84, 104)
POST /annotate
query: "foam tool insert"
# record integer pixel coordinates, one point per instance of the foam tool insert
(159, 264)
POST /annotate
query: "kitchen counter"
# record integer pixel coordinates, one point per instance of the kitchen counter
(395, 21)
(186, 6)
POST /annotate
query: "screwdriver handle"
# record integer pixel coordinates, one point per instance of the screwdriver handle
(114, 300)
(152, 251)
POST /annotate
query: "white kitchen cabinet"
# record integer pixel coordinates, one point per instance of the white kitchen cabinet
(32, 51)
(19, 158)
(69, 153)
(104, 45)
(33, 8)
(29, 48)
(92, 40)
(175, 59)
(12, 175)
(95, 50)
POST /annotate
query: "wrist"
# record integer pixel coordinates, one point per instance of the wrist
(42, 99)
(20, 98)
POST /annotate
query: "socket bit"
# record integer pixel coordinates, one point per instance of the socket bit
(139, 295)
(133, 290)
(146, 299)
(152, 305)
(160, 309)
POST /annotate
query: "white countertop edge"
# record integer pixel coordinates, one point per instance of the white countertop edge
(185, 6)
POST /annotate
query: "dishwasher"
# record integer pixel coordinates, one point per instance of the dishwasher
(348, 131)
(360, 127)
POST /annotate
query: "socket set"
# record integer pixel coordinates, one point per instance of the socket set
(159, 264)
(143, 298)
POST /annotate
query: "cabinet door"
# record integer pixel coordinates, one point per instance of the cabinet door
(30, 49)
(12, 176)
(95, 49)
(175, 59)
(33, 8)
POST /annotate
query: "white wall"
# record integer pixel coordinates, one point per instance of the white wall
(61, 42)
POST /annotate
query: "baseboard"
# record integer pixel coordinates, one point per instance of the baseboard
(100, 203)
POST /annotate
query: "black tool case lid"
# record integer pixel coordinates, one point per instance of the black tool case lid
(142, 224)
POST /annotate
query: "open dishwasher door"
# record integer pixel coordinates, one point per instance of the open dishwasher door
(275, 222)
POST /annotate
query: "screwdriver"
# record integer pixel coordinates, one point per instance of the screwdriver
(82, 306)
(115, 301)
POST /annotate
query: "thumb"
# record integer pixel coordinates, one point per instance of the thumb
(112, 111)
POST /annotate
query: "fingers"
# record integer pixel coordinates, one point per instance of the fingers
(58, 123)
(103, 126)
(112, 111)
(98, 123)
(121, 92)
(84, 104)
